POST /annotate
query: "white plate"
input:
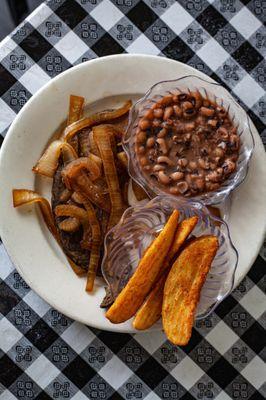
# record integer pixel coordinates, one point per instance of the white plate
(29, 244)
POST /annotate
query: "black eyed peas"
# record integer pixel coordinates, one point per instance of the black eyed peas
(187, 144)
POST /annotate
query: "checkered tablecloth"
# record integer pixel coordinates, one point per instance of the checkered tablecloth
(44, 354)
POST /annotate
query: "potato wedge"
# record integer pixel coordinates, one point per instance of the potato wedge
(141, 282)
(183, 285)
(151, 309)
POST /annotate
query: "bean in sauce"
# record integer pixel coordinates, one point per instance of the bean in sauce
(187, 144)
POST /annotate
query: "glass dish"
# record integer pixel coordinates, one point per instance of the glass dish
(127, 241)
(214, 92)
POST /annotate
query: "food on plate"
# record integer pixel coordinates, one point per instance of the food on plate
(186, 144)
(89, 187)
(139, 285)
(183, 285)
(151, 309)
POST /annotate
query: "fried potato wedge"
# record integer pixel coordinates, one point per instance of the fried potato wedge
(132, 296)
(151, 309)
(183, 285)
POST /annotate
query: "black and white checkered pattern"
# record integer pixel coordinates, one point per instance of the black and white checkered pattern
(44, 354)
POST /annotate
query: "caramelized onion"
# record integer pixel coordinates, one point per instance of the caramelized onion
(25, 196)
(75, 108)
(74, 168)
(70, 210)
(104, 145)
(123, 160)
(48, 162)
(95, 119)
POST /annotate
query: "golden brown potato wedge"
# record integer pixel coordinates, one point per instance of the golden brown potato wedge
(151, 309)
(141, 282)
(183, 285)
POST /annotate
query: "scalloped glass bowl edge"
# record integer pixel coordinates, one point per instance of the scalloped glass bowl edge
(214, 91)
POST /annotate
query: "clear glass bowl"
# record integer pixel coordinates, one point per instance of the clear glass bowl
(127, 241)
(214, 92)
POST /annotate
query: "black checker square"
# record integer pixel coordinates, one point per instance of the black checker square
(255, 337)
(211, 20)
(160, 34)
(7, 80)
(1, 140)
(9, 371)
(43, 396)
(41, 335)
(133, 354)
(204, 355)
(240, 388)
(16, 97)
(60, 353)
(151, 372)
(24, 387)
(169, 388)
(98, 388)
(178, 50)
(142, 16)
(8, 298)
(226, 306)
(89, 30)
(205, 388)
(35, 45)
(114, 340)
(194, 7)
(247, 56)
(222, 372)
(229, 38)
(106, 45)
(194, 341)
(79, 372)
(257, 271)
(53, 63)
(71, 13)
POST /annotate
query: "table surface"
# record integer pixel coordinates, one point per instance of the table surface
(44, 354)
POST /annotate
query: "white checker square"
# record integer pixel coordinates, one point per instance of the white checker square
(7, 46)
(71, 47)
(213, 54)
(36, 303)
(6, 118)
(249, 91)
(7, 395)
(79, 396)
(39, 15)
(78, 336)
(42, 371)
(187, 372)
(221, 337)
(150, 341)
(9, 334)
(177, 18)
(115, 372)
(222, 396)
(255, 372)
(254, 302)
(143, 45)
(106, 14)
(245, 22)
(34, 78)
(152, 396)
(6, 265)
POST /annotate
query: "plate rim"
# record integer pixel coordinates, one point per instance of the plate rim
(5, 145)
